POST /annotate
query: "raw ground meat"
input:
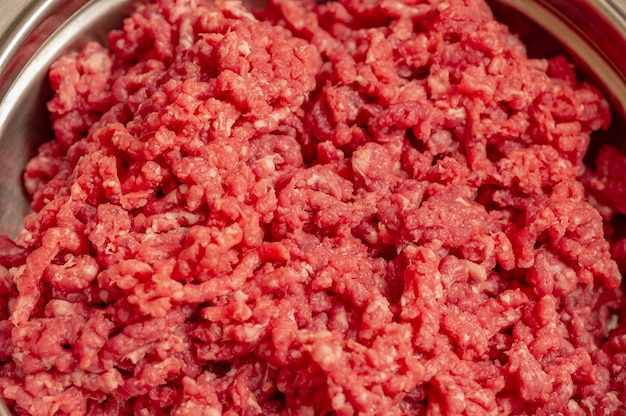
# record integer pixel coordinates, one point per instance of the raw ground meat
(320, 207)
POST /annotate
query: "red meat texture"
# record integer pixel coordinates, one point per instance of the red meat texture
(318, 207)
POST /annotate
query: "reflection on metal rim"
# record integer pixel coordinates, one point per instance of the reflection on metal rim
(4, 411)
(36, 22)
(24, 122)
(70, 33)
(594, 33)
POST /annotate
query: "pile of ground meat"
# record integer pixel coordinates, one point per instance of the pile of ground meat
(373, 207)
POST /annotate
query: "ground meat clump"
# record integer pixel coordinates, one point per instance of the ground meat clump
(340, 207)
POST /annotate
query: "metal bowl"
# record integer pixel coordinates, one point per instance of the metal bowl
(41, 32)
(592, 32)
(34, 33)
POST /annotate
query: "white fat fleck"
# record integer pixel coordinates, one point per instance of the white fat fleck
(90, 270)
(437, 86)
(99, 229)
(26, 237)
(372, 237)
(61, 308)
(476, 271)
(110, 248)
(30, 185)
(338, 401)
(230, 231)
(379, 304)
(307, 411)
(510, 315)
(280, 113)
(370, 58)
(11, 304)
(259, 124)
(110, 380)
(613, 322)
(457, 113)
(361, 162)
(506, 298)
(77, 377)
(18, 356)
(325, 356)
(254, 404)
(178, 295)
(238, 11)
(562, 163)
(240, 296)
(268, 163)
(174, 343)
(190, 217)
(252, 333)
(309, 269)
(342, 319)
(604, 210)
(313, 180)
(406, 202)
(244, 48)
(438, 287)
(267, 386)
(16, 272)
(48, 362)
(136, 355)
(172, 215)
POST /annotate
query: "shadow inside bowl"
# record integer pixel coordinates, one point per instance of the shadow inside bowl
(24, 119)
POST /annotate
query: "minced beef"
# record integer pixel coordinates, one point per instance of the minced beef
(373, 207)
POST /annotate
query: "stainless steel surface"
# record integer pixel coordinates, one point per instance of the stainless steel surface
(43, 31)
(4, 411)
(593, 32)
(9, 10)
(34, 32)
(32, 23)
